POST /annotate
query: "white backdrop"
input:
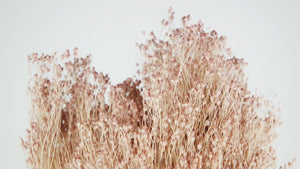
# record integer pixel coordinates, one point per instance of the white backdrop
(265, 33)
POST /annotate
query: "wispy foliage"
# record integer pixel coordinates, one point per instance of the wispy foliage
(191, 108)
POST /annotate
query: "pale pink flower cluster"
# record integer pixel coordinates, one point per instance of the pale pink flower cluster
(191, 108)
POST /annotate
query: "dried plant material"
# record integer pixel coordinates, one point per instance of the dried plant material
(191, 108)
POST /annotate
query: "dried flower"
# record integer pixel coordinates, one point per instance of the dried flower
(190, 109)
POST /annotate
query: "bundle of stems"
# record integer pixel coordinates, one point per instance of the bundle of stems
(189, 108)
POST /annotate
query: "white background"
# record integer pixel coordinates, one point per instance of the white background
(265, 33)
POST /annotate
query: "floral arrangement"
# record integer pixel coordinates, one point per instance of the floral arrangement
(189, 108)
